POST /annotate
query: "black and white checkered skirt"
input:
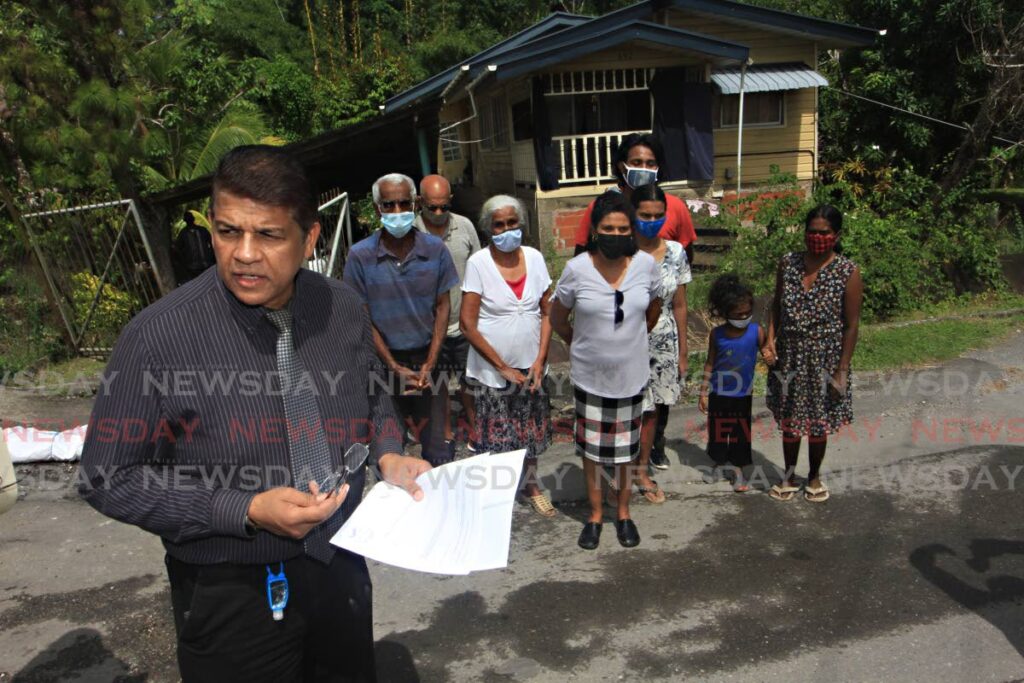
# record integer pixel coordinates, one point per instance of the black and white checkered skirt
(608, 429)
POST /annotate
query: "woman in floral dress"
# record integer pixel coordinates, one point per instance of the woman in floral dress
(667, 341)
(813, 332)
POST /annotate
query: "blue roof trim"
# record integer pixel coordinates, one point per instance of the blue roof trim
(583, 41)
(813, 27)
(435, 85)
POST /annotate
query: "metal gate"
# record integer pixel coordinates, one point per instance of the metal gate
(335, 236)
(98, 265)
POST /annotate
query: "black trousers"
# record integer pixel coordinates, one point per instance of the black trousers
(423, 410)
(729, 429)
(226, 631)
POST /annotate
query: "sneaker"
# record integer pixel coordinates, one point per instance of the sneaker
(659, 460)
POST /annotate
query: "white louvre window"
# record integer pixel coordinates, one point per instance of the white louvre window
(500, 126)
(486, 127)
(451, 150)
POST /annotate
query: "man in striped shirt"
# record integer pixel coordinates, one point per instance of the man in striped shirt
(191, 439)
(403, 276)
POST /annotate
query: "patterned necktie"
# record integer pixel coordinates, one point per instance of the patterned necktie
(307, 443)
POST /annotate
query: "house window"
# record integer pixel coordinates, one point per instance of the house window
(759, 109)
(486, 119)
(499, 112)
(451, 147)
(522, 121)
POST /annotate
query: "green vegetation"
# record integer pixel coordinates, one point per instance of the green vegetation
(890, 348)
(115, 98)
(912, 252)
(29, 333)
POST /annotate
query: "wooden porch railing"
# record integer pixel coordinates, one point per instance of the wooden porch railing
(587, 158)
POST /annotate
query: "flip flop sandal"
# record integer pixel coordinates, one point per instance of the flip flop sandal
(740, 487)
(654, 495)
(782, 493)
(542, 505)
(818, 495)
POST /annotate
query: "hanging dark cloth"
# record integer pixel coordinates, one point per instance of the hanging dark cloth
(543, 150)
(700, 139)
(682, 122)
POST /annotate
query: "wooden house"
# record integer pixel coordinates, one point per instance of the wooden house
(539, 114)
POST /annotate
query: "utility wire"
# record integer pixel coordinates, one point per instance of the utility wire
(922, 116)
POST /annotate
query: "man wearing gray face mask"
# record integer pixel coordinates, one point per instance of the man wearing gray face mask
(436, 218)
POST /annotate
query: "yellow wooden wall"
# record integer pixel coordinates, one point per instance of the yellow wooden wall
(792, 146)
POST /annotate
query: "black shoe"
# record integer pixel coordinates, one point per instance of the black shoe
(659, 460)
(590, 536)
(627, 532)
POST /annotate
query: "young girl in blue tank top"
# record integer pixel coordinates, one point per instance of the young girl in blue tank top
(726, 392)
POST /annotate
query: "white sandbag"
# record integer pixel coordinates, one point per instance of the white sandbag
(28, 444)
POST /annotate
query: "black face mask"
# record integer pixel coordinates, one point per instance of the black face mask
(616, 246)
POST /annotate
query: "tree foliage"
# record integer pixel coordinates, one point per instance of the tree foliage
(103, 97)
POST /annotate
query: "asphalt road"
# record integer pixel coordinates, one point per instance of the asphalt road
(913, 571)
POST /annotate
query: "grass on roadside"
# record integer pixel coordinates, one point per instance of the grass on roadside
(894, 348)
(891, 348)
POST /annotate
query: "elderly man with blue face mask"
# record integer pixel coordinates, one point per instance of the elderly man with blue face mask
(403, 276)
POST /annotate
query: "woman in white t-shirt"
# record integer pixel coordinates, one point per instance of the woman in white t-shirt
(505, 319)
(613, 291)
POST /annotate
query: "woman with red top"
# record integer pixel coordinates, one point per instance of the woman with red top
(635, 164)
(505, 319)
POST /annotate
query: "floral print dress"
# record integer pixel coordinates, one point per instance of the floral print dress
(809, 345)
(665, 385)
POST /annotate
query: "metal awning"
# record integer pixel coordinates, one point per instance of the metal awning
(767, 78)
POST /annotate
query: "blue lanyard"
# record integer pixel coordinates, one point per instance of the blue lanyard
(277, 591)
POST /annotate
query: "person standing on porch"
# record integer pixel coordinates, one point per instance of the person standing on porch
(403, 277)
(635, 163)
(667, 341)
(435, 217)
(612, 290)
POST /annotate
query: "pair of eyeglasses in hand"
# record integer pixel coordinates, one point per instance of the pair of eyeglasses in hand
(353, 459)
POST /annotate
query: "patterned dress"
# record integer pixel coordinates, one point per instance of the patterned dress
(809, 345)
(665, 385)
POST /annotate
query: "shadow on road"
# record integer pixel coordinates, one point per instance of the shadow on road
(81, 655)
(395, 663)
(976, 569)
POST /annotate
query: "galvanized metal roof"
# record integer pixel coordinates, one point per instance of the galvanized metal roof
(768, 78)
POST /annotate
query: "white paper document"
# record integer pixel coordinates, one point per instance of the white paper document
(463, 523)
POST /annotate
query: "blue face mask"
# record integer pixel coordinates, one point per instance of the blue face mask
(398, 224)
(638, 176)
(508, 240)
(650, 229)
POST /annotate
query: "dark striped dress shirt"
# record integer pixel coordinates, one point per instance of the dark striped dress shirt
(190, 426)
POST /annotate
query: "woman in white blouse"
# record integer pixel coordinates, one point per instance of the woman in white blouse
(505, 319)
(613, 291)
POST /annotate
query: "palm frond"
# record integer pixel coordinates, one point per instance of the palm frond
(236, 127)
